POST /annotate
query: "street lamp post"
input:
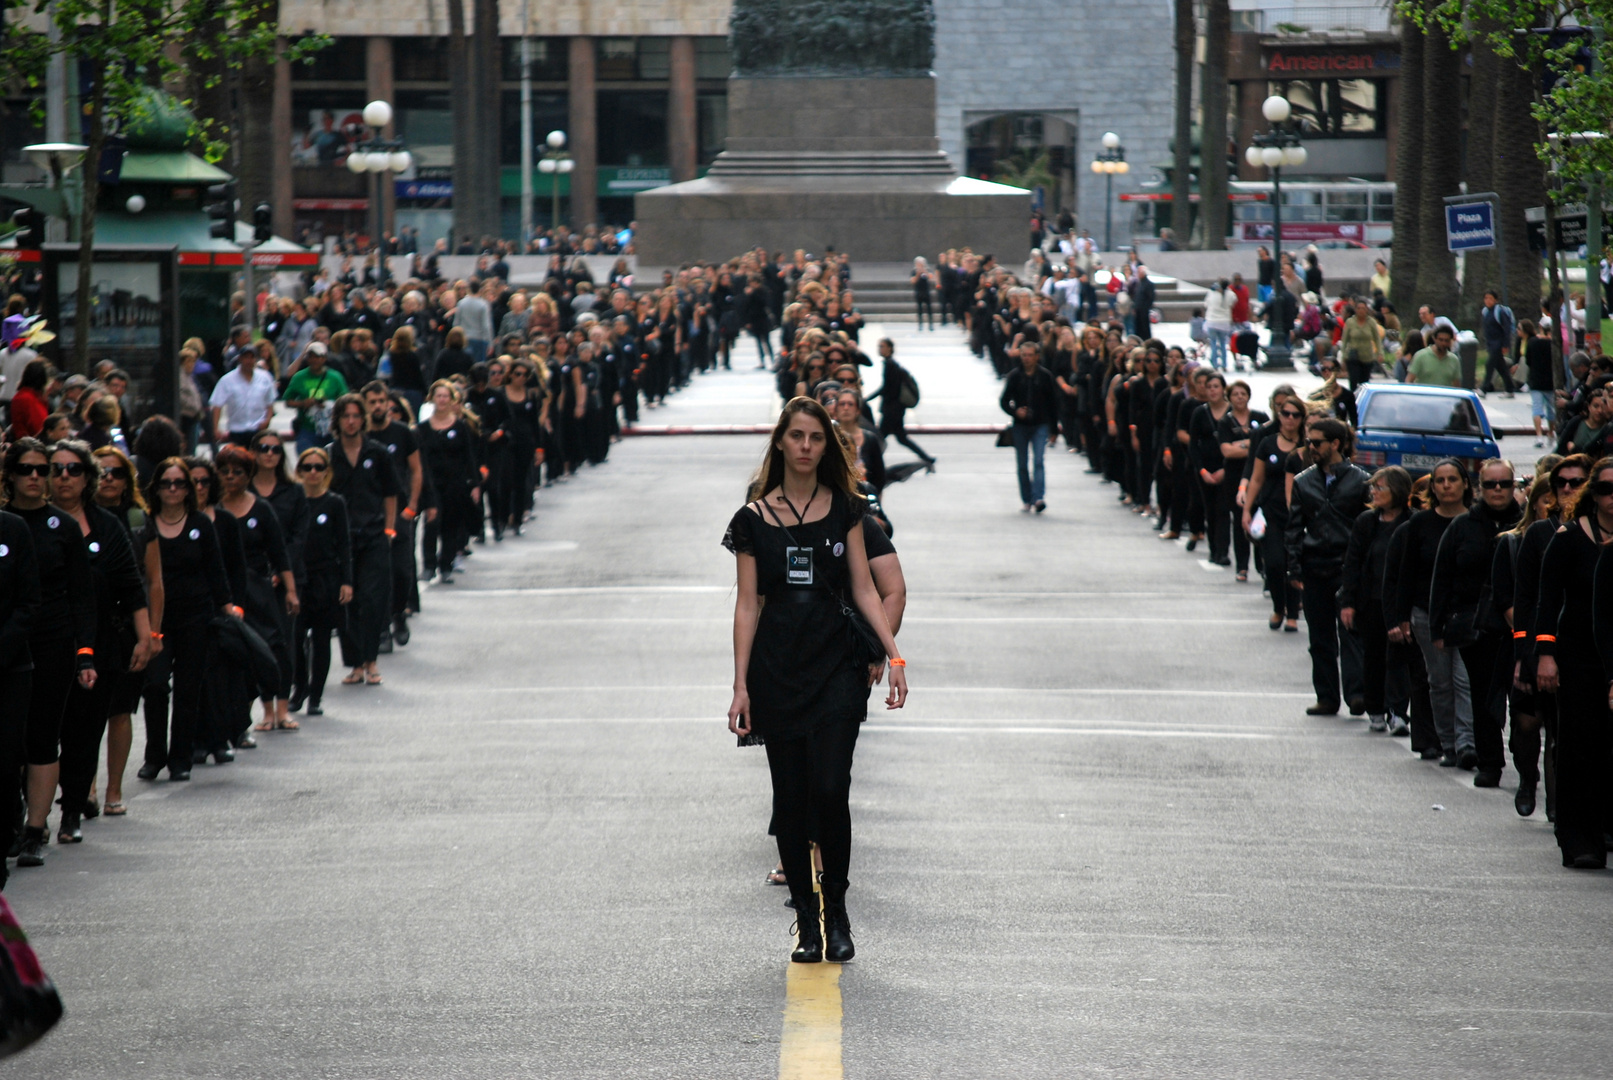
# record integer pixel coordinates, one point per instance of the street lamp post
(379, 156)
(1110, 160)
(1273, 149)
(556, 163)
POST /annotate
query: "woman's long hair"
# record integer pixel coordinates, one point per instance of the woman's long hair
(132, 495)
(835, 469)
(1540, 488)
(1584, 504)
(152, 496)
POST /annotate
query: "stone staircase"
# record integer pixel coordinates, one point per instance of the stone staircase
(883, 294)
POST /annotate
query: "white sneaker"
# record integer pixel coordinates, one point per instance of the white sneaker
(1539, 443)
(1025, 509)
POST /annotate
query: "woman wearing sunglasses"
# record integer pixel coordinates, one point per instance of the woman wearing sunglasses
(1462, 616)
(122, 629)
(62, 637)
(1275, 461)
(268, 575)
(524, 411)
(1566, 478)
(195, 589)
(119, 494)
(328, 559)
(1570, 666)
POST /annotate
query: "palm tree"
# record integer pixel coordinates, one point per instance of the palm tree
(1441, 168)
(1479, 267)
(1213, 138)
(1026, 169)
(1182, 144)
(1408, 171)
(1520, 180)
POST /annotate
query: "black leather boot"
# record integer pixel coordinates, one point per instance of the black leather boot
(836, 924)
(809, 935)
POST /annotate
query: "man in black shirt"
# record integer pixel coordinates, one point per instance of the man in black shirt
(1029, 397)
(405, 454)
(362, 474)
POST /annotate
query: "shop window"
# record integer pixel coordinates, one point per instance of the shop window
(1335, 108)
(325, 125)
(420, 59)
(632, 127)
(343, 60)
(644, 59)
(548, 114)
(712, 121)
(550, 59)
(711, 58)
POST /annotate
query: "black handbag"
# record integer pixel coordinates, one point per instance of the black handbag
(1005, 437)
(866, 649)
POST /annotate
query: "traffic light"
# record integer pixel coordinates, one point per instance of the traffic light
(30, 225)
(262, 223)
(221, 207)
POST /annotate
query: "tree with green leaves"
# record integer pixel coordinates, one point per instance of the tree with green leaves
(125, 49)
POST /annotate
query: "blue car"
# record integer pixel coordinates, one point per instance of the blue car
(1416, 427)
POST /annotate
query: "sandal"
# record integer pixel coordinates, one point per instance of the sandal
(114, 809)
(1276, 622)
(263, 726)
(288, 724)
(372, 679)
(354, 679)
(777, 877)
(1243, 575)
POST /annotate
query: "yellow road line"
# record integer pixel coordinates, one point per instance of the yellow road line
(810, 1049)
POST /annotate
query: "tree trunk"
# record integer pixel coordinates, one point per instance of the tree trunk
(1182, 144)
(90, 174)
(255, 144)
(1408, 175)
(1441, 171)
(1213, 137)
(486, 68)
(1480, 268)
(466, 191)
(1520, 180)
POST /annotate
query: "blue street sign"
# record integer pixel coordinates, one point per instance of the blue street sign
(1470, 227)
(424, 189)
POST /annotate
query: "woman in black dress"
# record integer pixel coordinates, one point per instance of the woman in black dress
(1210, 468)
(62, 638)
(523, 426)
(1276, 460)
(1570, 665)
(268, 577)
(119, 493)
(1236, 432)
(19, 606)
(448, 452)
(122, 630)
(798, 686)
(328, 563)
(1384, 675)
(195, 589)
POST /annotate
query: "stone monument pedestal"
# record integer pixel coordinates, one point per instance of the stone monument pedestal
(844, 162)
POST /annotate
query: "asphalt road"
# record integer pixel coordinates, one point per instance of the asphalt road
(1102, 840)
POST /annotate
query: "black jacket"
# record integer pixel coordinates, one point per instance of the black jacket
(1321, 516)
(1366, 557)
(1462, 567)
(1034, 391)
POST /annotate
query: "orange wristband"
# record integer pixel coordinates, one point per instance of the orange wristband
(156, 637)
(86, 652)
(392, 534)
(898, 662)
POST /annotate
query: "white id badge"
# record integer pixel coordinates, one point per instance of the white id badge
(798, 566)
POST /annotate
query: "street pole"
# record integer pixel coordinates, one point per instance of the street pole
(526, 126)
(1593, 230)
(1108, 211)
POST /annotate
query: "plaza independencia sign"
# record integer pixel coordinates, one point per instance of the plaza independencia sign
(1470, 226)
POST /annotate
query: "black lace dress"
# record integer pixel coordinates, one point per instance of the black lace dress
(801, 676)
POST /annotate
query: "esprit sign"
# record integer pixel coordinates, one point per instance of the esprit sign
(1287, 63)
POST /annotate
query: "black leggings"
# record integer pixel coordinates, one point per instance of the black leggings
(1489, 675)
(925, 303)
(445, 537)
(371, 608)
(84, 726)
(1284, 597)
(55, 673)
(812, 800)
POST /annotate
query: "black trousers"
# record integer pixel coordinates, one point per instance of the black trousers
(1284, 597)
(1424, 735)
(1386, 681)
(896, 427)
(1526, 740)
(1218, 514)
(371, 608)
(83, 727)
(1584, 755)
(925, 304)
(812, 800)
(313, 658)
(1320, 600)
(15, 694)
(1489, 674)
(444, 537)
(184, 658)
(405, 571)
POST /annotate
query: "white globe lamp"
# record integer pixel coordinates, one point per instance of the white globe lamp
(1276, 109)
(378, 114)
